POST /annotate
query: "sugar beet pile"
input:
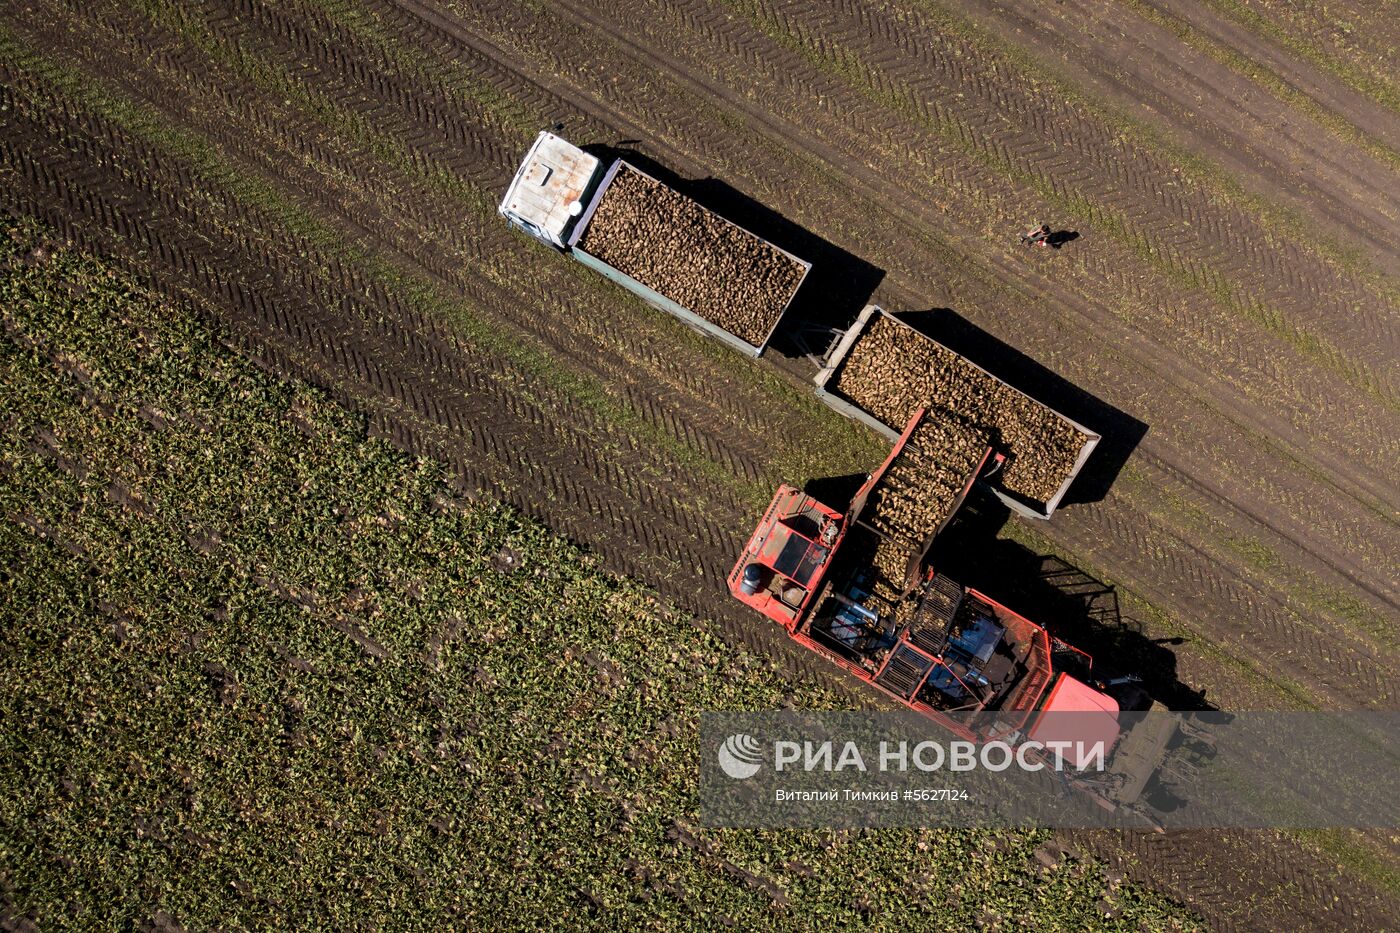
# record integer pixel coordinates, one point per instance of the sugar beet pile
(917, 493)
(694, 257)
(892, 370)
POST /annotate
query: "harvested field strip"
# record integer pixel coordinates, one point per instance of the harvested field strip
(1340, 259)
(1306, 593)
(535, 362)
(1015, 154)
(1294, 644)
(916, 234)
(1217, 125)
(1339, 42)
(298, 88)
(448, 269)
(354, 29)
(1260, 73)
(285, 673)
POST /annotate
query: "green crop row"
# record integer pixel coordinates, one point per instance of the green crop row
(258, 670)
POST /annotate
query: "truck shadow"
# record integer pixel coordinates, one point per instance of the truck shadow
(838, 286)
(1069, 602)
(1121, 431)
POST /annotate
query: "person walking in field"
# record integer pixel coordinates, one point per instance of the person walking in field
(1038, 236)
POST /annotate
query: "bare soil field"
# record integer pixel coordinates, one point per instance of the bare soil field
(319, 176)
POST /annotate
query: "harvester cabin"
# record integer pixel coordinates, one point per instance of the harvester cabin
(787, 556)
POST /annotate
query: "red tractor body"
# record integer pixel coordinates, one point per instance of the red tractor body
(856, 588)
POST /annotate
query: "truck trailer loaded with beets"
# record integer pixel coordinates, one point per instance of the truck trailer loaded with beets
(731, 284)
(882, 370)
(856, 587)
(655, 242)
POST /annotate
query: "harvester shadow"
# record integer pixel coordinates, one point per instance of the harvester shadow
(835, 491)
(1121, 431)
(836, 288)
(1072, 604)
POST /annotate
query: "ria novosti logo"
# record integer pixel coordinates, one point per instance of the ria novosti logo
(740, 756)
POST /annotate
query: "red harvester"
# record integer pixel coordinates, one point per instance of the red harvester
(857, 588)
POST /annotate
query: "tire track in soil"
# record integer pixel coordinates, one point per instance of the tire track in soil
(495, 463)
(1231, 610)
(1213, 872)
(1359, 38)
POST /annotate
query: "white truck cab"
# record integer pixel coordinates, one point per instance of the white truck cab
(552, 191)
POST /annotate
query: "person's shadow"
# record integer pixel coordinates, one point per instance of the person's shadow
(1060, 238)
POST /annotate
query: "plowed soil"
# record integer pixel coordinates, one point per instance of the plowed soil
(319, 176)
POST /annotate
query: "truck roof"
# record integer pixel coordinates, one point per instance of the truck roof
(548, 188)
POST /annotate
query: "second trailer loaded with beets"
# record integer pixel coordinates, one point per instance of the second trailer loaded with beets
(882, 370)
